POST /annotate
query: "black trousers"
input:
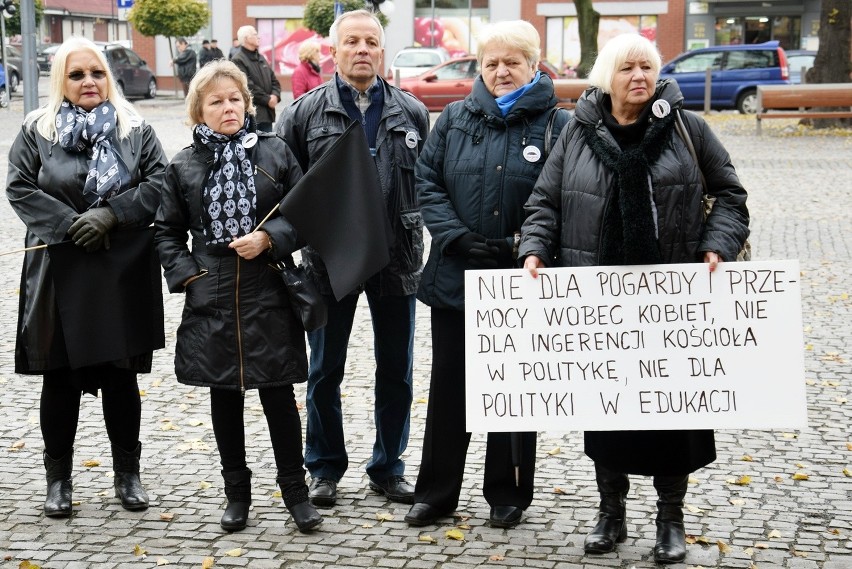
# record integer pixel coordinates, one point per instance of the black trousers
(282, 417)
(60, 406)
(445, 442)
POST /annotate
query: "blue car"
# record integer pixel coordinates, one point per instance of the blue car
(4, 96)
(735, 73)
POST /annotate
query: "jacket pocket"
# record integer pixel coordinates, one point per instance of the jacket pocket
(409, 241)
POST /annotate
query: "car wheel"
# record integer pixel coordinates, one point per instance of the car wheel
(747, 102)
(152, 89)
(14, 82)
(4, 97)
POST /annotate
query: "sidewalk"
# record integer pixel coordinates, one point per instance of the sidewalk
(801, 204)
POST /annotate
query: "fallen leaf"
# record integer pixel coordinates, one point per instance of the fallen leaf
(800, 553)
(702, 539)
(723, 547)
(558, 490)
(368, 525)
(694, 509)
(25, 564)
(204, 485)
(207, 563)
(138, 550)
(76, 502)
(810, 382)
(103, 493)
(847, 472)
(422, 400)
(91, 463)
(800, 476)
(834, 531)
(143, 393)
(809, 347)
(744, 480)
(463, 526)
(690, 539)
(195, 423)
(778, 479)
(801, 465)
(156, 382)
(841, 400)
(748, 551)
(277, 494)
(761, 545)
(384, 516)
(737, 501)
(554, 451)
(848, 446)
(167, 516)
(18, 445)
(496, 558)
(235, 552)
(427, 539)
(773, 534)
(169, 427)
(747, 458)
(454, 534)
(693, 480)
(790, 435)
(161, 561)
(829, 383)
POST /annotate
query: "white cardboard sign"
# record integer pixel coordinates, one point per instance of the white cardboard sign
(635, 347)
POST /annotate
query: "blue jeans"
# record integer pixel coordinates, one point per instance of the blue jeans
(393, 346)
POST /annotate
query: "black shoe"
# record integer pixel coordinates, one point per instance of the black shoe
(59, 488)
(295, 495)
(396, 488)
(305, 515)
(323, 492)
(128, 487)
(671, 542)
(422, 514)
(607, 533)
(235, 517)
(505, 516)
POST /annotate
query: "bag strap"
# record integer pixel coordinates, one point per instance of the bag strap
(684, 134)
(548, 131)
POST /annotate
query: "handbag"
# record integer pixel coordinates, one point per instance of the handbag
(707, 200)
(306, 301)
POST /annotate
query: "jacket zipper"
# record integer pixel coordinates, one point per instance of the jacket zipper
(239, 330)
(268, 175)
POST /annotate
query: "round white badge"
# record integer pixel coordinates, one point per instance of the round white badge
(532, 153)
(249, 140)
(411, 139)
(661, 108)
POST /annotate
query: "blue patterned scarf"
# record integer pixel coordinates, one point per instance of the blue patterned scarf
(229, 197)
(80, 130)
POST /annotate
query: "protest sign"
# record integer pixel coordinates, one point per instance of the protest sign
(635, 347)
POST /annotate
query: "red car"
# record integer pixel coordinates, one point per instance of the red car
(450, 81)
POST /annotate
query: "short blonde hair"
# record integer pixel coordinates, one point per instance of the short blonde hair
(518, 34)
(45, 117)
(205, 79)
(308, 49)
(618, 50)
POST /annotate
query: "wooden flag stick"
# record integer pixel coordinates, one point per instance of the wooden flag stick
(24, 250)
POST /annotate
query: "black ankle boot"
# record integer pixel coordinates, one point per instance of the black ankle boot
(612, 525)
(238, 492)
(294, 491)
(59, 489)
(671, 535)
(128, 487)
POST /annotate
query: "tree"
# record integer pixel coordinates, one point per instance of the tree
(170, 18)
(13, 24)
(588, 21)
(832, 62)
(319, 14)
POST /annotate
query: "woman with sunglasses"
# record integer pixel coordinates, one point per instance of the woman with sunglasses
(84, 174)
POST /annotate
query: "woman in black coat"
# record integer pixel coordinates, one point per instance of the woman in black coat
(84, 177)
(238, 331)
(474, 175)
(622, 139)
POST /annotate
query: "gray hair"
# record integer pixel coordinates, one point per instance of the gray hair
(332, 32)
(618, 50)
(518, 34)
(244, 32)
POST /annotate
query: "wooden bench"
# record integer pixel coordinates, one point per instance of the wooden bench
(803, 98)
(568, 91)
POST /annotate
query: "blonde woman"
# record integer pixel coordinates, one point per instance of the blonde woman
(307, 75)
(84, 168)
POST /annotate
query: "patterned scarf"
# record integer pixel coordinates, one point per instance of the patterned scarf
(80, 130)
(229, 196)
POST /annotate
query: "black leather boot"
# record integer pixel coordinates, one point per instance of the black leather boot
(58, 501)
(294, 491)
(128, 487)
(238, 492)
(671, 535)
(612, 525)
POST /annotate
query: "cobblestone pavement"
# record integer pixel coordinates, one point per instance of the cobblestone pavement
(801, 202)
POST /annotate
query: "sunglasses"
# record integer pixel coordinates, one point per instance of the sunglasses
(97, 75)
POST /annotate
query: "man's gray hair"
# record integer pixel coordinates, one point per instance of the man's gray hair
(332, 32)
(244, 32)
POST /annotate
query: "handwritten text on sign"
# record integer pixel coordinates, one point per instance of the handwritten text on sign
(638, 347)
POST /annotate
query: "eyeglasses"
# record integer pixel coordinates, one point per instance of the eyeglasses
(97, 75)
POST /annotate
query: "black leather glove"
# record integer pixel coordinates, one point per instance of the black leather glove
(91, 228)
(504, 255)
(474, 248)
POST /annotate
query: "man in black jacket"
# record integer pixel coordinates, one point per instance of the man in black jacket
(395, 125)
(264, 86)
(186, 64)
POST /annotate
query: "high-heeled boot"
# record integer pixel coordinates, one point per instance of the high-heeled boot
(59, 488)
(671, 535)
(612, 525)
(238, 492)
(128, 487)
(294, 491)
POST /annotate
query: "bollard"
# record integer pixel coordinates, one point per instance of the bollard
(708, 90)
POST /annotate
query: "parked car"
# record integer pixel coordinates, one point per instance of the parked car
(412, 61)
(735, 73)
(449, 81)
(14, 55)
(4, 99)
(44, 56)
(799, 60)
(132, 74)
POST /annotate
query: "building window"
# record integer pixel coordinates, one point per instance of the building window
(451, 24)
(280, 40)
(758, 29)
(563, 37)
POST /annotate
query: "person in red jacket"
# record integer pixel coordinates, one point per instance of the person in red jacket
(307, 75)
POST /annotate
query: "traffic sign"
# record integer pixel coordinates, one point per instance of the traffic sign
(124, 3)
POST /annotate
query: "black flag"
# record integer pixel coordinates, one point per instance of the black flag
(113, 298)
(339, 209)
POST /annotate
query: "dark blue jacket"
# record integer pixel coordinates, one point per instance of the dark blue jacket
(473, 176)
